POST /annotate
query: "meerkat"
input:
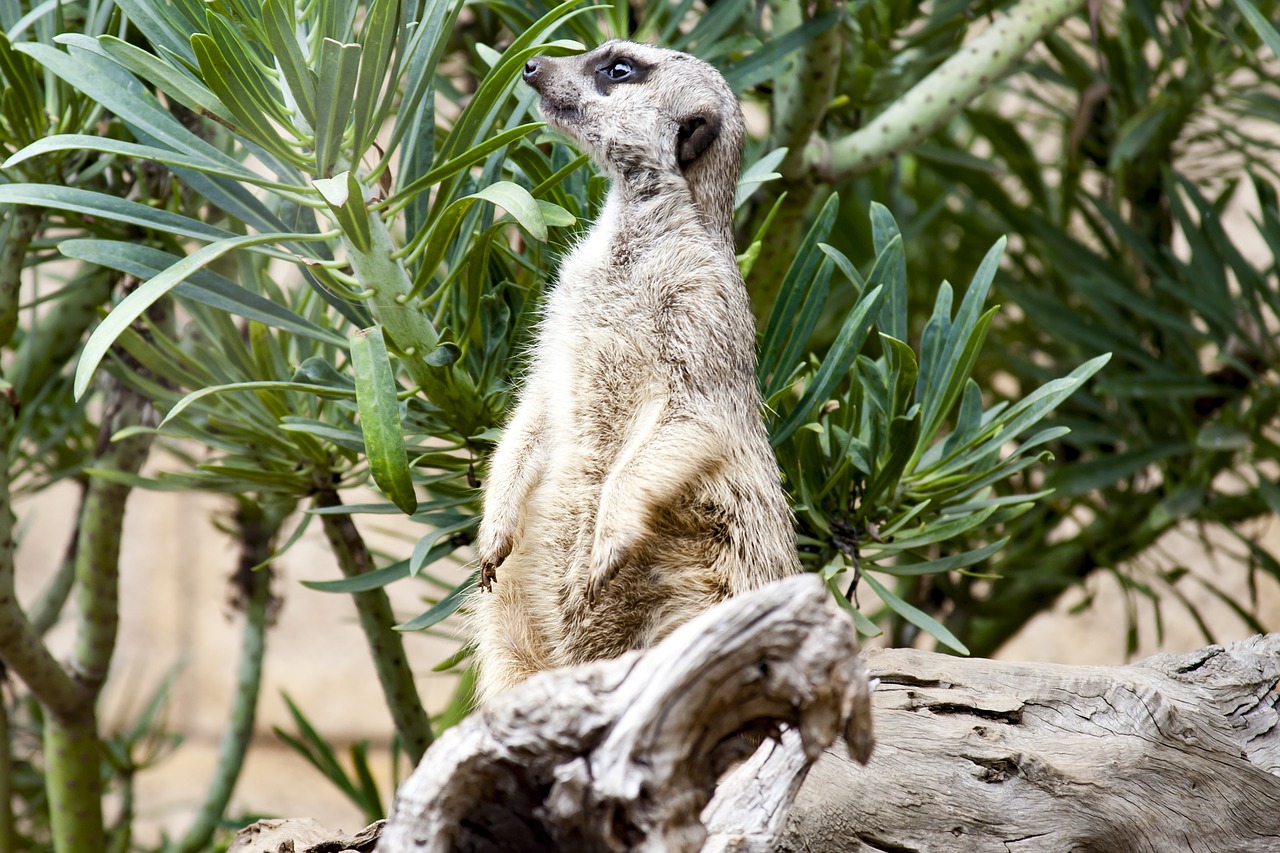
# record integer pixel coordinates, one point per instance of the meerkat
(634, 486)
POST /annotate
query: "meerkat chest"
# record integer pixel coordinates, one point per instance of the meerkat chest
(598, 363)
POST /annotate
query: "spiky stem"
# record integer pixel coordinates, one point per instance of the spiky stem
(23, 225)
(801, 96)
(376, 619)
(258, 530)
(8, 831)
(951, 87)
(412, 334)
(73, 760)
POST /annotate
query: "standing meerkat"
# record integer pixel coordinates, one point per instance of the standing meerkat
(634, 486)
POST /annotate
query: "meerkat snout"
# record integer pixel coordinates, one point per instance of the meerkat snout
(530, 70)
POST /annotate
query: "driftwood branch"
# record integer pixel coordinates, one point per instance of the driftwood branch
(625, 754)
(1175, 753)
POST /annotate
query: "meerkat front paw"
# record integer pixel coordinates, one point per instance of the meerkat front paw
(491, 550)
(608, 555)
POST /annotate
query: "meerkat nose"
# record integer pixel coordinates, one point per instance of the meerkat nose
(531, 70)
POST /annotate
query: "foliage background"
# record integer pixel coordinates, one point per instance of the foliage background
(1129, 160)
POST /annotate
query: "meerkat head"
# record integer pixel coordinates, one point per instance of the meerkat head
(647, 116)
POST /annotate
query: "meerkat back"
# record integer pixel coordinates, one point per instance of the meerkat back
(634, 485)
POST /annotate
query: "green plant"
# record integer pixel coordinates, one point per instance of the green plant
(356, 214)
(878, 485)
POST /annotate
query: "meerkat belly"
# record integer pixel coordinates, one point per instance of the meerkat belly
(593, 381)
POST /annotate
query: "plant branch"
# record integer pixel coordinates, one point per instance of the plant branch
(8, 831)
(802, 94)
(23, 226)
(20, 646)
(377, 621)
(101, 525)
(951, 87)
(258, 530)
(450, 389)
(45, 610)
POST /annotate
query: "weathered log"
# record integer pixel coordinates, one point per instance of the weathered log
(1175, 753)
(302, 835)
(625, 754)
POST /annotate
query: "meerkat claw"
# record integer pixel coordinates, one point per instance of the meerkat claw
(488, 574)
(604, 567)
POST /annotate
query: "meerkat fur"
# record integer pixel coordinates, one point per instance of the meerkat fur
(634, 486)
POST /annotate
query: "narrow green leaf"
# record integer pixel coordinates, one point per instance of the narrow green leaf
(345, 197)
(318, 390)
(938, 530)
(442, 610)
(376, 579)
(943, 564)
(800, 288)
(279, 23)
(429, 550)
(959, 353)
(84, 142)
(203, 286)
(522, 206)
(339, 69)
(1270, 491)
(426, 43)
(865, 626)
(837, 363)
(168, 24)
(1260, 24)
(903, 432)
(1032, 408)
(117, 90)
(758, 173)
(132, 306)
(378, 41)
(76, 200)
(182, 88)
(845, 266)
(464, 160)
(915, 615)
(380, 418)
(249, 108)
(760, 64)
(892, 319)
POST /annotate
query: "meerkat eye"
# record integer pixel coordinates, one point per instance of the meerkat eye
(617, 70)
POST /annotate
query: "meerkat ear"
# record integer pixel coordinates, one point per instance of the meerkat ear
(695, 136)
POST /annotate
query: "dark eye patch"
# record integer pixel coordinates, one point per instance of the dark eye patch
(618, 69)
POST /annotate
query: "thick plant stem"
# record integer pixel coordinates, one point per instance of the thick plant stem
(951, 87)
(386, 646)
(258, 531)
(411, 333)
(20, 646)
(98, 549)
(13, 251)
(72, 748)
(800, 100)
(8, 832)
(802, 94)
(53, 336)
(73, 758)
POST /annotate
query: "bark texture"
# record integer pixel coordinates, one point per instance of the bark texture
(625, 754)
(644, 753)
(1175, 753)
